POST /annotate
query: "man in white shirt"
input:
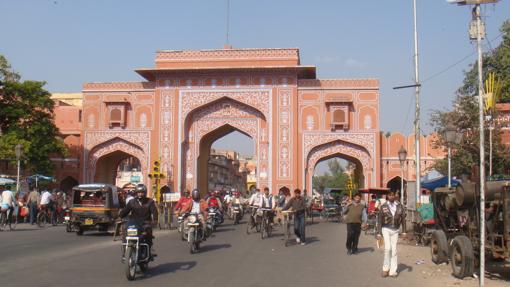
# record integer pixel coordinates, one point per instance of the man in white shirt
(8, 199)
(46, 198)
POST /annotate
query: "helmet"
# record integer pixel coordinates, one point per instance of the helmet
(195, 194)
(141, 188)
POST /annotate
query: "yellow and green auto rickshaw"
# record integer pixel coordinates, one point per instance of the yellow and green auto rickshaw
(94, 207)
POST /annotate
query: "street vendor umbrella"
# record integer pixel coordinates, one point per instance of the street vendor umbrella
(4, 181)
(39, 177)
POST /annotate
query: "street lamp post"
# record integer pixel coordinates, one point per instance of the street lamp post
(451, 136)
(19, 151)
(402, 155)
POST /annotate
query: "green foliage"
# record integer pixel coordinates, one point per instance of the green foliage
(6, 71)
(26, 117)
(464, 115)
(335, 178)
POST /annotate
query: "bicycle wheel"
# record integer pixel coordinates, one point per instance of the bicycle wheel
(3, 221)
(13, 222)
(287, 233)
(263, 228)
(41, 219)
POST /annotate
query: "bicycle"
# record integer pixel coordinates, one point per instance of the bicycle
(44, 216)
(10, 217)
(266, 230)
(254, 221)
(286, 226)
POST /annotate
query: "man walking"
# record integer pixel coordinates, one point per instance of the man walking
(355, 213)
(297, 204)
(32, 203)
(391, 216)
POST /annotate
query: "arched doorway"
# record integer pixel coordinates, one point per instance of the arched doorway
(223, 164)
(110, 168)
(357, 155)
(213, 121)
(336, 172)
(395, 185)
(67, 184)
(104, 160)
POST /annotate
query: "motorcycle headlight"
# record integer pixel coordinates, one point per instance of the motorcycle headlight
(192, 219)
(132, 232)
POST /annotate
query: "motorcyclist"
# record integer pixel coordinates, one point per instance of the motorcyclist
(185, 198)
(237, 200)
(142, 209)
(214, 201)
(196, 205)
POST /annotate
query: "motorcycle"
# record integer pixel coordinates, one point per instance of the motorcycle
(67, 220)
(215, 217)
(236, 213)
(137, 251)
(180, 226)
(195, 233)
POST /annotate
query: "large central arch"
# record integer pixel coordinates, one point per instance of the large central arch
(212, 121)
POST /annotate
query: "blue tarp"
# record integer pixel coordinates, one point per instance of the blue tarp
(438, 182)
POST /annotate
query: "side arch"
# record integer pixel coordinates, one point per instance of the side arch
(343, 149)
(111, 146)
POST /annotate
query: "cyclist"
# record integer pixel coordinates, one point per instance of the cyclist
(8, 201)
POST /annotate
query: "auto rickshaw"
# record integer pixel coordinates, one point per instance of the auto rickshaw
(94, 207)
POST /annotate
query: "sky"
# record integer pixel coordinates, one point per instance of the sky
(69, 42)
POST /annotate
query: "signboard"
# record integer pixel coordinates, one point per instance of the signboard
(135, 178)
(171, 196)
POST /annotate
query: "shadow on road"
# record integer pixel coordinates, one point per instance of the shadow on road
(366, 249)
(98, 234)
(172, 267)
(224, 230)
(403, 267)
(495, 270)
(212, 247)
(311, 240)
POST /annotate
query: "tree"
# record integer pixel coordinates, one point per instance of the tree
(26, 117)
(334, 178)
(464, 114)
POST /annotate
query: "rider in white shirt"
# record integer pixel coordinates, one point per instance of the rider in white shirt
(8, 199)
(46, 198)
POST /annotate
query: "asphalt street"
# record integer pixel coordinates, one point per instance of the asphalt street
(31, 256)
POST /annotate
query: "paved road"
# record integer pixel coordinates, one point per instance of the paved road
(52, 257)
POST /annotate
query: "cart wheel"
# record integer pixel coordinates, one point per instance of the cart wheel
(439, 247)
(462, 257)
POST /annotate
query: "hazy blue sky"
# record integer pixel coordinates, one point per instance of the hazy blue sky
(67, 43)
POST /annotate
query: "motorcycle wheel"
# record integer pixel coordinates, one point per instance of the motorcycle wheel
(263, 229)
(192, 247)
(79, 231)
(131, 264)
(69, 227)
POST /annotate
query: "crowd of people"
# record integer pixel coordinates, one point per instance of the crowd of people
(24, 206)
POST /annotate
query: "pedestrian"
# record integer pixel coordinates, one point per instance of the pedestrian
(33, 201)
(355, 213)
(297, 204)
(391, 216)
